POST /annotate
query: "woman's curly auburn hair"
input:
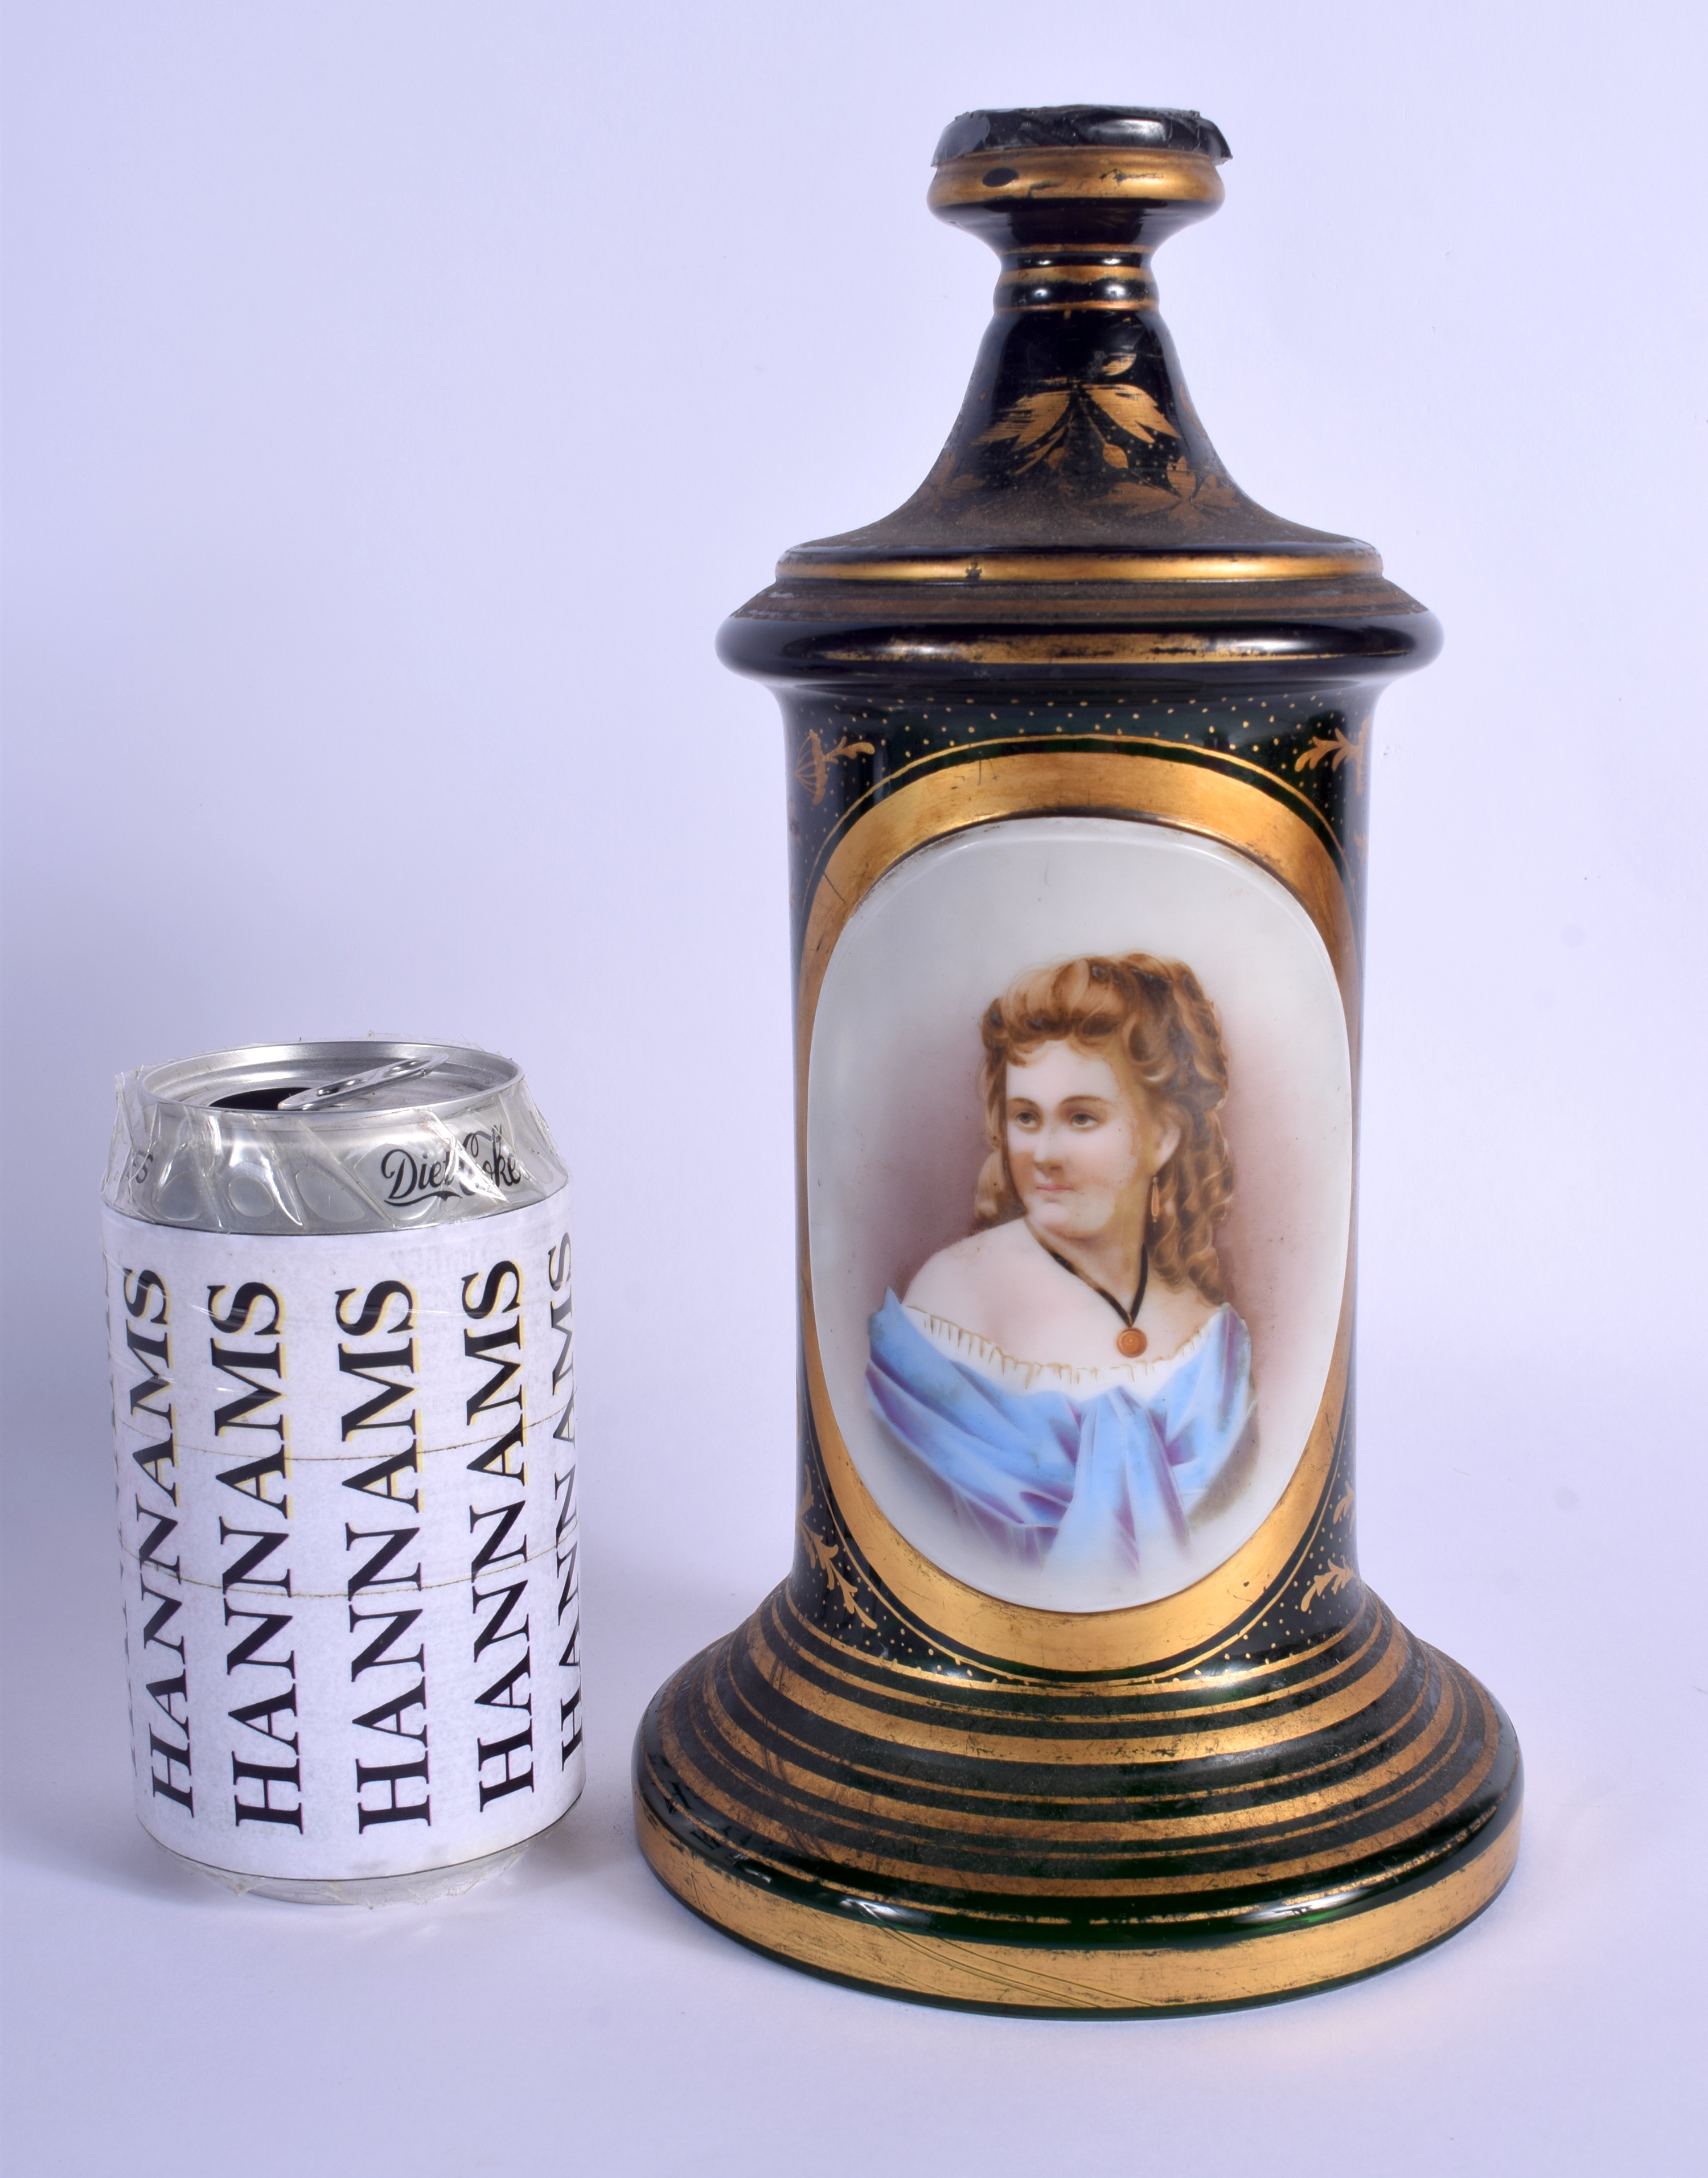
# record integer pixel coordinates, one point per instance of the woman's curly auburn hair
(1150, 1018)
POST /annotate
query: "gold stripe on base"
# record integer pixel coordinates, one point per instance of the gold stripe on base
(1251, 564)
(1026, 1978)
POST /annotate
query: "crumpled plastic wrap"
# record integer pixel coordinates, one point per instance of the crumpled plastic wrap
(462, 1141)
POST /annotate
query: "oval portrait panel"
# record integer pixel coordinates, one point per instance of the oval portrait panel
(1078, 1172)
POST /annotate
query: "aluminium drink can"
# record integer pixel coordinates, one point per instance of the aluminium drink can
(343, 1356)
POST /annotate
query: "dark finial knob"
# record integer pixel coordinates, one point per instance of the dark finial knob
(1112, 177)
(1113, 128)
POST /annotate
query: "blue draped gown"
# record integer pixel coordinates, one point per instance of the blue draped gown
(1095, 1478)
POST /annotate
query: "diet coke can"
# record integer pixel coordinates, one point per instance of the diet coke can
(338, 1299)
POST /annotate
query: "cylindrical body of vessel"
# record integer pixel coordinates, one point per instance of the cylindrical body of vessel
(338, 1303)
(1074, 1700)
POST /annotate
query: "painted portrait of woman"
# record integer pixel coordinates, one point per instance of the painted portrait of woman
(1073, 1379)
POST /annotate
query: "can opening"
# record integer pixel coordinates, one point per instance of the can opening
(324, 1096)
(261, 1100)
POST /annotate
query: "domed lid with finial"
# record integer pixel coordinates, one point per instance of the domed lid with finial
(1078, 480)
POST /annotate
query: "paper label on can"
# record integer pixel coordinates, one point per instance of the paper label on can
(350, 1538)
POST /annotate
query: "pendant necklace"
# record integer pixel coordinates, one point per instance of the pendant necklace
(1132, 1342)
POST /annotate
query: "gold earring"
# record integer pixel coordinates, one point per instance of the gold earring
(1156, 1200)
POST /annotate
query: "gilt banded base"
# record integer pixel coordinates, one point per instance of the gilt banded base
(944, 1829)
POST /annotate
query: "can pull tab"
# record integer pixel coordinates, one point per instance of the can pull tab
(353, 1085)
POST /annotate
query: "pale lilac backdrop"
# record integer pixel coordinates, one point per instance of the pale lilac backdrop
(398, 392)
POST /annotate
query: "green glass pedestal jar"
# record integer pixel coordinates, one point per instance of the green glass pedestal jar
(1074, 1700)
